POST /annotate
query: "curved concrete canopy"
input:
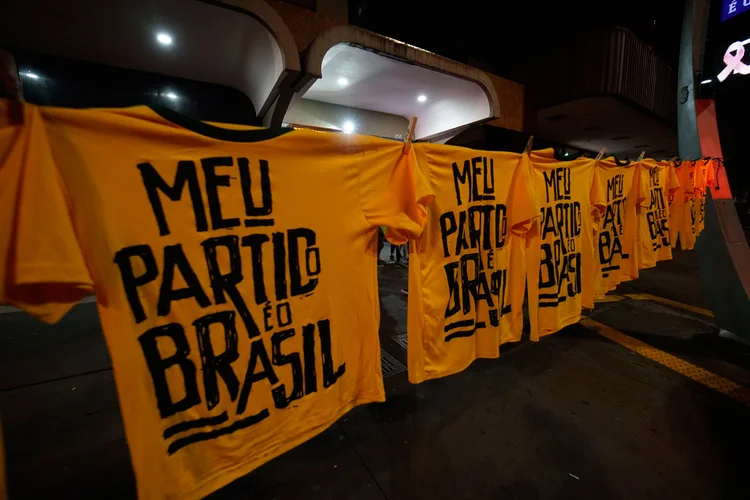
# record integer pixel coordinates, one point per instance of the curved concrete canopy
(386, 75)
(239, 43)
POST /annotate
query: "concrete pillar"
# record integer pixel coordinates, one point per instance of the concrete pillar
(722, 250)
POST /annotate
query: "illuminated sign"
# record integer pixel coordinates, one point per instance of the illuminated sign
(730, 8)
(733, 60)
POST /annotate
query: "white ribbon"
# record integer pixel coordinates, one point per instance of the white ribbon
(733, 61)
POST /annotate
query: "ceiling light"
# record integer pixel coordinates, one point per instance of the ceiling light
(164, 39)
(171, 95)
(348, 127)
(706, 81)
(31, 75)
(343, 82)
(421, 98)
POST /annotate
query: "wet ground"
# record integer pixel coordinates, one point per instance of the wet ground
(577, 415)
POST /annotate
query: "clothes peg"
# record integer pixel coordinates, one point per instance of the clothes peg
(601, 154)
(640, 158)
(410, 133)
(528, 145)
(673, 159)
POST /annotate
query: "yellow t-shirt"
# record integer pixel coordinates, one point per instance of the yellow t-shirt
(654, 234)
(617, 258)
(682, 215)
(235, 274)
(704, 178)
(680, 208)
(561, 264)
(466, 287)
(21, 138)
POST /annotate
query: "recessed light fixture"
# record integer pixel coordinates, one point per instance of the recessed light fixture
(343, 82)
(348, 127)
(29, 74)
(171, 95)
(421, 98)
(164, 38)
(706, 81)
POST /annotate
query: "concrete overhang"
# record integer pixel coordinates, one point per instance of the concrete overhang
(592, 123)
(605, 88)
(242, 44)
(387, 76)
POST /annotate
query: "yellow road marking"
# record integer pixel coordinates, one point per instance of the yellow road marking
(693, 372)
(637, 296)
(609, 298)
(670, 302)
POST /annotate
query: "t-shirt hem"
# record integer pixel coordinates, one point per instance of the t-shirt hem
(566, 322)
(50, 273)
(222, 478)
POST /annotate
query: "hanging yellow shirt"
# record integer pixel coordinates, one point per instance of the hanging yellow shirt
(685, 216)
(466, 287)
(235, 275)
(654, 234)
(561, 264)
(681, 210)
(617, 258)
(704, 178)
(22, 142)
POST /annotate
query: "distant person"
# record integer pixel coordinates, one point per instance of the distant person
(381, 244)
(400, 252)
(397, 250)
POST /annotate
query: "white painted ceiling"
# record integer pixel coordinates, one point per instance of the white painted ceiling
(380, 83)
(596, 122)
(211, 43)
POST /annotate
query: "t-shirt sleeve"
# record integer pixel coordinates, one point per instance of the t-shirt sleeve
(396, 194)
(598, 201)
(643, 196)
(43, 269)
(673, 182)
(522, 203)
(637, 191)
(689, 181)
(700, 177)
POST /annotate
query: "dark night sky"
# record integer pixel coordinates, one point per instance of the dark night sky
(504, 34)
